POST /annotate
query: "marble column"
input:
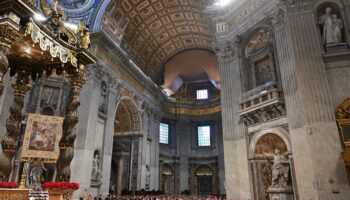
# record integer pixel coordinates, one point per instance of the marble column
(120, 169)
(154, 182)
(108, 139)
(237, 181)
(183, 133)
(319, 168)
(81, 164)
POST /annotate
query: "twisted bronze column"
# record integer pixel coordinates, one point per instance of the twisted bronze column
(13, 123)
(69, 131)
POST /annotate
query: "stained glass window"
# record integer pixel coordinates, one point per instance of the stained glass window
(204, 136)
(164, 133)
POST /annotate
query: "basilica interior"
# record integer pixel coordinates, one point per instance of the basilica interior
(175, 99)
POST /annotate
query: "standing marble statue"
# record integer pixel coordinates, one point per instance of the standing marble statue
(280, 170)
(332, 28)
(148, 177)
(96, 169)
(36, 174)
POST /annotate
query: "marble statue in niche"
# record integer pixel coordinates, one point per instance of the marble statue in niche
(96, 174)
(331, 26)
(280, 170)
(148, 177)
(103, 98)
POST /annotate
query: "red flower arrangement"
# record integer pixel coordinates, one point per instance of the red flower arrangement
(8, 185)
(61, 185)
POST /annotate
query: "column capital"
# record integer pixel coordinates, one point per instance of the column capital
(228, 51)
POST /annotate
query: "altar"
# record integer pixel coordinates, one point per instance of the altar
(37, 44)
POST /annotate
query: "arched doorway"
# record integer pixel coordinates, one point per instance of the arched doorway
(168, 180)
(204, 180)
(124, 165)
(262, 148)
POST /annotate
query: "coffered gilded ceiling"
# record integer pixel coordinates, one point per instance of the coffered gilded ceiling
(153, 31)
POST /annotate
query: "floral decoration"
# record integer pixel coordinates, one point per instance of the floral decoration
(61, 185)
(8, 185)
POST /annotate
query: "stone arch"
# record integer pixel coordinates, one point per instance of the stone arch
(167, 178)
(128, 117)
(204, 170)
(204, 181)
(167, 170)
(246, 38)
(279, 134)
(261, 152)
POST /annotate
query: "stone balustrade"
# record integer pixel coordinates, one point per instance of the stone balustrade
(264, 106)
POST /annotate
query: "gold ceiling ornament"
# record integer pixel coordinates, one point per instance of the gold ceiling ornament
(192, 112)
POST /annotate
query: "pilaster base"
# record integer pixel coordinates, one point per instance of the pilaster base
(281, 193)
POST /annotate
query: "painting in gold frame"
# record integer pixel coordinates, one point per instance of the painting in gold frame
(344, 127)
(42, 136)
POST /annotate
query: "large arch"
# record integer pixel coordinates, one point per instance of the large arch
(127, 119)
(280, 132)
(261, 151)
(127, 128)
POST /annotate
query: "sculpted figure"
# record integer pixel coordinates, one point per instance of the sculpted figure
(36, 174)
(148, 177)
(280, 170)
(338, 26)
(96, 169)
(332, 27)
(85, 40)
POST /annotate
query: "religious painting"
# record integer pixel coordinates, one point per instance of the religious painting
(264, 72)
(42, 136)
(268, 143)
(50, 96)
(258, 41)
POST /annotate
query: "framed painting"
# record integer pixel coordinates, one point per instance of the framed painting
(42, 136)
(344, 127)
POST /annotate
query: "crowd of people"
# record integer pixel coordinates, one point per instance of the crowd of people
(159, 197)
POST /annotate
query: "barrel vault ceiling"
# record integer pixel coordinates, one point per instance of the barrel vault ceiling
(156, 30)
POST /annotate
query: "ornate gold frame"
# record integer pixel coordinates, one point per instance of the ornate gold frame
(47, 156)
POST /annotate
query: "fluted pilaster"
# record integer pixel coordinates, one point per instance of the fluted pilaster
(313, 132)
(234, 131)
